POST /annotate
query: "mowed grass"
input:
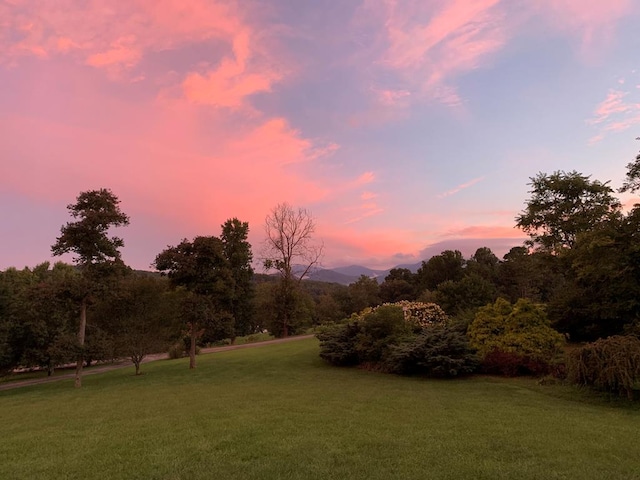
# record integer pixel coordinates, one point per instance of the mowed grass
(279, 412)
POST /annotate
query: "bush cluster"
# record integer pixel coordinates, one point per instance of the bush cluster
(514, 339)
(609, 364)
(439, 351)
(405, 338)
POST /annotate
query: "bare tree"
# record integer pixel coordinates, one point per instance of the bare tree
(291, 250)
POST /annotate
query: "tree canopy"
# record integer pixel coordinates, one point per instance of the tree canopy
(96, 254)
(563, 205)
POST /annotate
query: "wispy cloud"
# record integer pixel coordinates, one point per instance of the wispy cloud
(429, 44)
(484, 231)
(368, 195)
(460, 187)
(366, 211)
(593, 24)
(614, 114)
(364, 179)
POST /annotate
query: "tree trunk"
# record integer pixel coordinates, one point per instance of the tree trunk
(81, 331)
(192, 347)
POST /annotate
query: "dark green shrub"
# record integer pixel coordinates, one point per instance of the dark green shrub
(378, 330)
(338, 344)
(609, 364)
(439, 351)
(366, 338)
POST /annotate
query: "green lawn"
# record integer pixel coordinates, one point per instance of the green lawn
(279, 412)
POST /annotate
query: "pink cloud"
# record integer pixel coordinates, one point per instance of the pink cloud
(485, 231)
(162, 167)
(460, 187)
(354, 245)
(614, 114)
(593, 23)
(611, 105)
(116, 36)
(392, 97)
(122, 52)
(430, 46)
(368, 195)
(231, 82)
(365, 178)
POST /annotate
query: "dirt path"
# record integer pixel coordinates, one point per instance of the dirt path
(149, 358)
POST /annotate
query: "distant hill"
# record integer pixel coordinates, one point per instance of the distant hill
(332, 276)
(357, 270)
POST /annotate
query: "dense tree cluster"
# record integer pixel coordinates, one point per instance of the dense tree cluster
(576, 278)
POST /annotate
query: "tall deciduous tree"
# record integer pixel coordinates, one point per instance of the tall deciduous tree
(142, 316)
(237, 250)
(363, 293)
(97, 255)
(398, 285)
(449, 265)
(291, 250)
(45, 313)
(203, 270)
(563, 205)
(632, 182)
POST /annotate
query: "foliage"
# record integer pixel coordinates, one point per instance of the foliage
(632, 181)
(563, 205)
(609, 364)
(200, 266)
(483, 263)
(602, 291)
(363, 293)
(327, 309)
(275, 301)
(289, 249)
(439, 351)
(522, 329)
(449, 265)
(399, 285)
(378, 330)
(141, 316)
(369, 336)
(97, 254)
(96, 211)
(202, 269)
(471, 292)
(41, 317)
(511, 364)
(237, 251)
(536, 275)
(338, 343)
(420, 314)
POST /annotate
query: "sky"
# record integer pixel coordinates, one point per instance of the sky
(405, 127)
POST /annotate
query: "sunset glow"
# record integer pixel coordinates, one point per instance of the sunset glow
(404, 126)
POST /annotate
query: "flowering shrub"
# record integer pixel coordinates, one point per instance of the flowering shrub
(422, 314)
(369, 336)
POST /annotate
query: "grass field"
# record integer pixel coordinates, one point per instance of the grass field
(278, 412)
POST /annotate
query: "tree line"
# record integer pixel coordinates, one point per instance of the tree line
(582, 262)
